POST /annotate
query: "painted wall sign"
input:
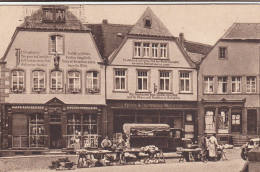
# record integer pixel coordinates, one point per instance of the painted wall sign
(153, 96)
(77, 59)
(71, 59)
(149, 62)
(34, 59)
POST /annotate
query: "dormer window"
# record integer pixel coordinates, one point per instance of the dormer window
(53, 15)
(147, 22)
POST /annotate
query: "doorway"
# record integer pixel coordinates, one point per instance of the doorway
(251, 121)
(55, 136)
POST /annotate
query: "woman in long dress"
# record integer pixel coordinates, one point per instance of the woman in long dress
(212, 147)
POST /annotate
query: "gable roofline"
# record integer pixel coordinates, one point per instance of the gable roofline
(156, 28)
(10, 44)
(111, 58)
(220, 39)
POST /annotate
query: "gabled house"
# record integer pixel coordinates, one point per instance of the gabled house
(53, 83)
(150, 77)
(229, 85)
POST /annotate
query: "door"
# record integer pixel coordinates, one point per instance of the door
(55, 136)
(20, 130)
(236, 126)
(251, 121)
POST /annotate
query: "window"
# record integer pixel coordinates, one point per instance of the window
(142, 80)
(236, 84)
(209, 121)
(146, 49)
(251, 84)
(92, 82)
(18, 78)
(74, 84)
(154, 50)
(222, 85)
(164, 81)
(147, 23)
(56, 81)
(53, 15)
(38, 77)
(137, 49)
(185, 79)
(223, 122)
(222, 52)
(120, 79)
(56, 44)
(208, 84)
(37, 135)
(236, 119)
(84, 127)
(163, 50)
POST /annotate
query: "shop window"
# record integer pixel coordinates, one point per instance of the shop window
(92, 82)
(18, 81)
(163, 50)
(185, 82)
(74, 82)
(222, 52)
(56, 81)
(208, 84)
(164, 81)
(84, 127)
(236, 84)
(155, 50)
(222, 85)
(251, 84)
(137, 49)
(189, 117)
(142, 80)
(209, 122)
(38, 77)
(37, 133)
(223, 123)
(56, 44)
(236, 121)
(73, 128)
(120, 79)
(19, 131)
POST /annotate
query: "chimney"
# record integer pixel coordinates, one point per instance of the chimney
(181, 38)
(104, 21)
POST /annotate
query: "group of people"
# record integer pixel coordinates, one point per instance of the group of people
(209, 146)
(108, 145)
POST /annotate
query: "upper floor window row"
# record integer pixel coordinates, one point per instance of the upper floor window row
(221, 83)
(150, 50)
(39, 81)
(143, 81)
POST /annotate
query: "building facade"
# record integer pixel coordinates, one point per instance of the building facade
(53, 83)
(151, 79)
(229, 86)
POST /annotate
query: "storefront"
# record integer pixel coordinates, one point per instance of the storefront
(178, 115)
(223, 117)
(53, 125)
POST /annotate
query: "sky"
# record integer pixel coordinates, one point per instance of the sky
(200, 23)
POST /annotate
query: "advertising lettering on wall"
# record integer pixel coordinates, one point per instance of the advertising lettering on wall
(153, 96)
(149, 62)
(36, 59)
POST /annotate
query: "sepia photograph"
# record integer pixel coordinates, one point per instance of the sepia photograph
(130, 87)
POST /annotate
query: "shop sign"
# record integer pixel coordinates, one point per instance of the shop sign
(153, 96)
(149, 62)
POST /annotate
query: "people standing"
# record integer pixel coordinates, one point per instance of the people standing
(106, 143)
(212, 147)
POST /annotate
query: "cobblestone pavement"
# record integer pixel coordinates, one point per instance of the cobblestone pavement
(233, 164)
